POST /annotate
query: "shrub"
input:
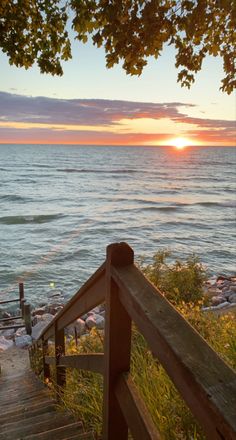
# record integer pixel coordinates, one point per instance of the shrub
(179, 281)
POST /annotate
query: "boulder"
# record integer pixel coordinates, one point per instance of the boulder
(5, 343)
(216, 300)
(6, 315)
(79, 324)
(20, 332)
(54, 308)
(95, 320)
(23, 341)
(39, 311)
(40, 326)
(8, 334)
(47, 317)
(232, 298)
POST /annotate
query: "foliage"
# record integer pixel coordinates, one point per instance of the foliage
(129, 30)
(179, 281)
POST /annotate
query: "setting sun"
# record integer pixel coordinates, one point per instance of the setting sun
(180, 143)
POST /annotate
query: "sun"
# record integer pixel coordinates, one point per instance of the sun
(180, 143)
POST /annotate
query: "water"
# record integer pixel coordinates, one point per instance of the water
(60, 206)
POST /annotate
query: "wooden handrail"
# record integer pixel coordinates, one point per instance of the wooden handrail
(205, 382)
(25, 313)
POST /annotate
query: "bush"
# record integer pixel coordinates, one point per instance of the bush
(179, 281)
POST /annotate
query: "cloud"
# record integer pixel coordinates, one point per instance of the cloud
(20, 108)
(97, 121)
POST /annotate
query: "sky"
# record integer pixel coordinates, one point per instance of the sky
(93, 105)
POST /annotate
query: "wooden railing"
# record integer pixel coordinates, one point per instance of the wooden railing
(24, 310)
(206, 383)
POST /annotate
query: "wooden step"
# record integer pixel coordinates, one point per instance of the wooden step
(84, 436)
(22, 409)
(22, 415)
(32, 421)
(62, 433)
(24, 404)
(21, 430)
(30, 412)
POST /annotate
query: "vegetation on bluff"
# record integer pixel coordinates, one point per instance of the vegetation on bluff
(182, 283)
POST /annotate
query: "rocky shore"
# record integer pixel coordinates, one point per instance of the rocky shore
(221, 291)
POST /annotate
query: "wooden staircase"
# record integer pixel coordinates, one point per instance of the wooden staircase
(28, 411)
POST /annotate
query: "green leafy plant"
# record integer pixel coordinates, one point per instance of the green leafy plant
(179, 281)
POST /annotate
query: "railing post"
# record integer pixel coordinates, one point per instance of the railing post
(46, 367)
(59, 350)
(21, 297)
(27, 318)
(117, 344)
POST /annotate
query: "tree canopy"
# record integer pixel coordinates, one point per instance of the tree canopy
(129, 30)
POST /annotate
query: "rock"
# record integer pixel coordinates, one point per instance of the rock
(23, 341)
(8, 334)
(5, 343)
(213, 292)
(40, 311)
(212, 280)
(6, 315)
(96, 310)
(95, 320)
(20, 332)
(85, 316)
(222, 278)
(55, 293)
(233, 288)
(79, 324)
(232, 298)
(47, 317)
(53, 308)
(40, 326)
(216, 300)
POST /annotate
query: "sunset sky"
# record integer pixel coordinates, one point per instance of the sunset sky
(93, 105)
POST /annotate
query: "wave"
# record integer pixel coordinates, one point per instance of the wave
(24, 219)
(217, 204)
(161, 208)
(96, 171)
(12, 198)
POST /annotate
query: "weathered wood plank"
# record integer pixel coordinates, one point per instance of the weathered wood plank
(9, 301)
(90, 362)
(46, 368)
(50, 360)
(206, 383)
(59, 351)
(8, 327)
(117, 347)
(12, 318)
(134, 410)
(27, 318)
(58, 433)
